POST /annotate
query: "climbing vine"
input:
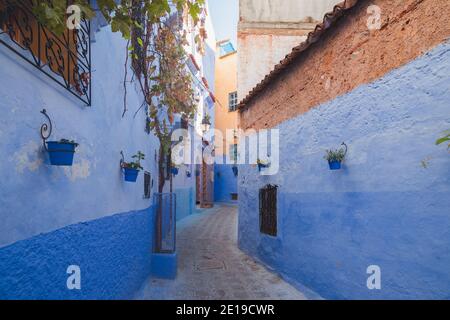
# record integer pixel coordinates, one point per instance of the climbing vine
(155, 49)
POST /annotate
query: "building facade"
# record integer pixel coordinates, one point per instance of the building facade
(226, 148)
(384, 93)
(269, 30)
(194, 182)
(83, 218)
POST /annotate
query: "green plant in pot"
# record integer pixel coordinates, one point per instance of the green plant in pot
(262, 164)
(131, 169)
(335, 158)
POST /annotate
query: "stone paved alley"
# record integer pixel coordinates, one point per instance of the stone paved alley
(210, 265)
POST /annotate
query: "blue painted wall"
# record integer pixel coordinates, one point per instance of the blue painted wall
(53, 216)
(225, 183)
(185, 202)
(384, 208)
(113, 253)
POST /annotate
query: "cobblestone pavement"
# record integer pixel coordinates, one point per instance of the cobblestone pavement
(210, 265)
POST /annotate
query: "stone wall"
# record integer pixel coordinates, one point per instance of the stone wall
(350, 55)
(268, 30)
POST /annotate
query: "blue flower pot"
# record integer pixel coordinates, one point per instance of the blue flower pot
(130, 174)
(262, 166)
(235, 171)
(61, 154)
(188, 174)
(174, 171)
(334, 165)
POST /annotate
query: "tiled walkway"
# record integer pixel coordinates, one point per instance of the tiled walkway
(210, 265)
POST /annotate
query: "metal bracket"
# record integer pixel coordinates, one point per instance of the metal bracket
(122, 160)
(346, 147)
(46, 129)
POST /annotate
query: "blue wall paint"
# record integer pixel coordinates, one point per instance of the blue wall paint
(185, 202)
(114, 255)
(37, 197)
(225, 183)
(86, 214)
(382, 209)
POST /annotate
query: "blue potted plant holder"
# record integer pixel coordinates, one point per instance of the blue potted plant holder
(174, 171)
(235, 170)
(61, 153)
(335, 157)
(263, 166)
(335, 165)
(131, 170)
(130, 174)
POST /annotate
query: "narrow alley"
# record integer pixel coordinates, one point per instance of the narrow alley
(225, 150)
(210, 265)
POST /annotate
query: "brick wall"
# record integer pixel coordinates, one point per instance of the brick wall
(350, 55)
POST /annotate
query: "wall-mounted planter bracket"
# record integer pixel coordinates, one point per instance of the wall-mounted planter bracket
(61, 152)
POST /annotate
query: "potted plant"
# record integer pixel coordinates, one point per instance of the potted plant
(235, 170)
(61, 152)
(174, 169)
(131, 169)
(262, 164)
(335, 158)
(188, 173)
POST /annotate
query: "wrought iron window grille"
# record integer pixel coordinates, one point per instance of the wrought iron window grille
(147, 185)
(268, 210)
(65, 59)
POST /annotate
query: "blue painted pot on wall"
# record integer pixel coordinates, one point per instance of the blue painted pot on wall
(61, 154)
(131, 174)
(334, 165)
(175, 171)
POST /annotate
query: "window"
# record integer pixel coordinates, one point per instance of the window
(232, 101)
(268, 210)
(233, 152)
(226, 48)
(64, 58)
(147, 185)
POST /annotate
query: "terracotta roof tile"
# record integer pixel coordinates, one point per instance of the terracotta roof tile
(328, 21)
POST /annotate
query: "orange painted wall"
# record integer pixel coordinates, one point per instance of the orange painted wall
(225, 83)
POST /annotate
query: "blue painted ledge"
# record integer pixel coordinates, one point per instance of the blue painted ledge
(164, 265)
(113, 253)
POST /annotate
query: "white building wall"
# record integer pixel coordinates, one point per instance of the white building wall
(283, 10)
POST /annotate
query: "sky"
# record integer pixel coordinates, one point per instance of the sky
(225, 16)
